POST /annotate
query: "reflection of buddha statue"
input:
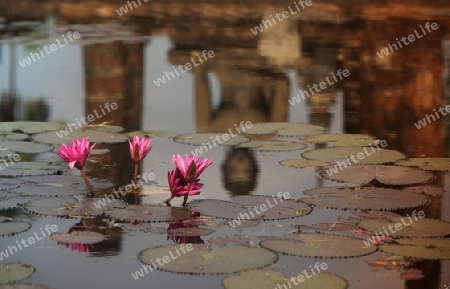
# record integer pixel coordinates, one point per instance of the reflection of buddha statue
(239, 171)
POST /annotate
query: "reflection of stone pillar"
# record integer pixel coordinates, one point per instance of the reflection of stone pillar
(280, 43)
(114, 72)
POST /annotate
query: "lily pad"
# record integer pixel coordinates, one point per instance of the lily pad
(24, 286)
(63, 207)
(427, 190)
(236, 239)
(422, 248)
(30, 169)
(48, 190)
(25, 147)
(93, 136)
(13, 272)
(428, 164)
(7, 184)
(6, 155)
(200, 139)
(12, 228)
(331, 227)
(78, 237)
(156, 133)
(74, 181)
(12, 201)
(104, 128)
(149, 213)
(184, 232)
(377, 215)
(341, 139)
(273, 145)
(363, 198)
(366, 155)
(28, 127)
(285, 129)
(318, 246)
(12, 136)
(201, 260)
(408, 226)
(302, 163)
(269, 279)
(389, 175)
(251, 208)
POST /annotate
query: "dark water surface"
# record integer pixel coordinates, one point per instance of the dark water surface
(250, 78)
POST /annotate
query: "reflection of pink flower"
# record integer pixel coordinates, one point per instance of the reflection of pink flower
(82, 248)
(183, 239)
(179, 186)
(191, 167)
(139, 148)
(77, 153)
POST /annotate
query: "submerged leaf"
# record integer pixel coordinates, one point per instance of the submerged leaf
(201, 260)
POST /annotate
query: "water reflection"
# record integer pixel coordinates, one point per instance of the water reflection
(239, 171)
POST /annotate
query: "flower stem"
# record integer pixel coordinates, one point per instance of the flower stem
(88, 184)
(136, 170)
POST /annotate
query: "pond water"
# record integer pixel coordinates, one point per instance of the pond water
(329, 53)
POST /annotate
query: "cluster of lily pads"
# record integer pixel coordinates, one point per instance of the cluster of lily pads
(383, 182)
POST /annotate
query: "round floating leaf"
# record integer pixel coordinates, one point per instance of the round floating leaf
(237, 239)
(376, 215)
(7, 184)
(318, 245)
(243, 224)
(13, 272)
(363, 198)
(189, 232)
(269, 279)
(342, 139)
(273, 145)
(427, 190)
(156, 133)
(429, 164)
(12, 136)
(149, 213)
(200, 139)
(12, 228)
(6, 154)
(407, 227)
(30, 169)
(103, 128)
(29, 127)
(78, 237)
(74, 181)
(331, 227)
(285, 129)
(25, 147)
(24, 286)
(302, 163)
(12, 201)
(201, 260)
(93, 136)
(140, 227)
(63, 207)
(434, 249)
(389, 175)
(250, 208)
(367, 155)
(48, 190)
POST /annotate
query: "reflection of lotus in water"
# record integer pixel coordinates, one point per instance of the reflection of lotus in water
(82, 248)
(174, 235)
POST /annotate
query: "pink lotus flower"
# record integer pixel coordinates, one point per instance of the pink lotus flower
(179, 186)
(77, 153)
(139, 148)
(191, 167)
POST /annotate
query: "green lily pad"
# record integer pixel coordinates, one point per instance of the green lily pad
(318, 245)
(235, 239)
(273, 145)
(13, 272)
(407, 226)
(156, 133)
(74, 181)
(149, 213)
(203, 139)
(93, 136)
(28, 127)
(389, 175)
(25, 147)
(12, 136)
(6, 155)
(341, 139)
(269, 279)
(30, 169)
(302, 163)
(103, 128)
(24, 286)
(78, 237)
(189, 232)
(63, 207)
(48, 190)
(428, 164)
(367, 155)
(285, 129)
(12, 201)
(12, 228)
(422, 248)
(201, 260)
(7, 184)
(363, 198)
